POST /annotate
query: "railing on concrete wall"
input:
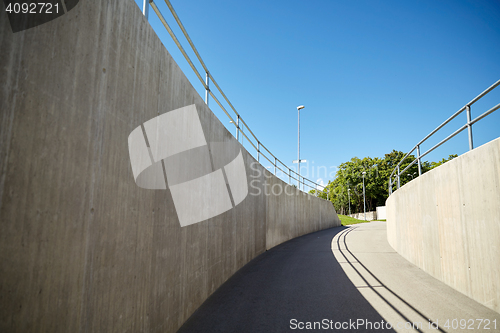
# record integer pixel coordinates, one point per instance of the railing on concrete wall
(397, 173)
(239, 123)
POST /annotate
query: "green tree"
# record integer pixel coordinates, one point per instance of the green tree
(349, 176)
(443, 161)
(393, 158)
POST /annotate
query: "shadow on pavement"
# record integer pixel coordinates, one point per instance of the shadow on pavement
(365, 275)
(298, 280)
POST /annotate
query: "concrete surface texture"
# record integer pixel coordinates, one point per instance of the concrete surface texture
(83, 248)
(346, 279)
(447, 223)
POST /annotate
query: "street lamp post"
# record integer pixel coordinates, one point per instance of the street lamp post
(237, 123)
(349, 195)
(364, 200)
(145, 8)
(298, 147)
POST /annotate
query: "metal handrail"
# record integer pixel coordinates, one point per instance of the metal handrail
(205, 83)
(468, 125)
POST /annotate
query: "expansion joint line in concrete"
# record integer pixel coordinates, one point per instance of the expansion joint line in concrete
(228, 187)
(64, 7)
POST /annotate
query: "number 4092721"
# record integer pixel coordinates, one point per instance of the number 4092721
(32, 8)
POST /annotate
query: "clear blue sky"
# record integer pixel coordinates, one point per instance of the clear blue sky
(373, 75)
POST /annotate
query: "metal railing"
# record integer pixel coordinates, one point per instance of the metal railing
(397, 173)
(240, 124)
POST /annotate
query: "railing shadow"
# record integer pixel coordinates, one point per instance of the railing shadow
(296, 282)
(341, 240)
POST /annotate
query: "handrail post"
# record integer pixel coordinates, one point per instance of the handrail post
(419, 163)
(258, 151)
(399, 184)
(289, 176)
(469, 127)
(238, 129)
(242, 136)
(275, 166)
(207, 89)
(145, 8)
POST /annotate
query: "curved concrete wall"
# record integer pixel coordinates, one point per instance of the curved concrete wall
(83, 248)
(447, 222)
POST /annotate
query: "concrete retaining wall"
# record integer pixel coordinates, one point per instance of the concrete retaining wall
(381, 213)
(447, 222)
(294, 213)
(370, 216)
(82, 247)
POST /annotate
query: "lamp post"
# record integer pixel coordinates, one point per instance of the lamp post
(145, 8)
(349, 195)
(237, 123)
(300, 107)
(364, 200)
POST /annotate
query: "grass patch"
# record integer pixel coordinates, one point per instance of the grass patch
(347, 220)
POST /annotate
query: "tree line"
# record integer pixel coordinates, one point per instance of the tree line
(347, 187)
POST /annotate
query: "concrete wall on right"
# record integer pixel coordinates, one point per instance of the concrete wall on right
(447, 222)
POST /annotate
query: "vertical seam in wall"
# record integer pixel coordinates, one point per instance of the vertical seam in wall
(266, 222)
(159, 89)
(150, 152)
(463, 222)
(146, 138)
(8, 139)
(207, 139)
(212, 160)
(164, 174)
(63, 5)
(228, 187)
(95, 172)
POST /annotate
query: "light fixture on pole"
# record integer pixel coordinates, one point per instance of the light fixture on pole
(349, 195)
(298, 161)
(364, 200)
